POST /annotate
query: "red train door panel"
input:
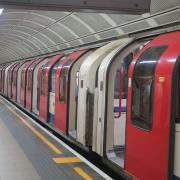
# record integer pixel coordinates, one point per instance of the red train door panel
(149, 126)
(62, 90)
(44, 86)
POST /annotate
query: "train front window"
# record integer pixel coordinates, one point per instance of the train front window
(177, 100)
(142, 87)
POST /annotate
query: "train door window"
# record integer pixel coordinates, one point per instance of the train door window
(116, 109)
(53, 77)
(9, 78)
(142, 87)
(77, 84)
(177, 99)
(62, 89)
(43, 81)
(14, 77)
(30, 81)
(22, 79)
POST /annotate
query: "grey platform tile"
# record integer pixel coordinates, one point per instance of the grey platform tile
(39, 154)
(13, 160)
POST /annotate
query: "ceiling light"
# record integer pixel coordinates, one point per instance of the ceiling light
(1, 10)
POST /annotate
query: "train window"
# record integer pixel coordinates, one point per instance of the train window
(62, 87)
(53, 77)
(14, 77)
(22, 79)
(29, 81)
(117, 84)
(43, 81)
(125, 67)
(142, 87)
(9, 78)
(177, 114)
(77, 83)
(96, 81)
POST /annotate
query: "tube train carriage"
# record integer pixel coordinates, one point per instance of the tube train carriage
(89, 96)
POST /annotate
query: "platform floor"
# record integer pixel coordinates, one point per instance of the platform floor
(27, 152)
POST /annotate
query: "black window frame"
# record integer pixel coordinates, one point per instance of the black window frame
(177, 93)
(143, 79)
(30, 80)
(62, 87)
(43, 81)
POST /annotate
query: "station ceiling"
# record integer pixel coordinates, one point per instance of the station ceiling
(27, 33)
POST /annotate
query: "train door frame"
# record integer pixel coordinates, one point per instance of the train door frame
(44, 97)
(10, 79)
(73, 95)
(62, 102)
(6, 79)
(87, 80)
(52, 94)
(24, 82)
(35, 85)
(29, 84)
(14, 86)
(106, 87)
(3, 76)
(18, 86)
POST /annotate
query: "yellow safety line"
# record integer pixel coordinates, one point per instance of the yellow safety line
(47, 142)
(63, 160)
(83, 174)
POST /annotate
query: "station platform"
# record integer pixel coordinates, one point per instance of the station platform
(29, 152)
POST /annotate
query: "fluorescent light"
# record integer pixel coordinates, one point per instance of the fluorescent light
(1, 10)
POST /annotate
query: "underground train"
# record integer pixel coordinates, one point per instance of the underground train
(120, 100)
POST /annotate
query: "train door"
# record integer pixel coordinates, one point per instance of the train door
(3, 76)
(14, 80)
(10, 79)
(18, 88)
(112, 97)
(44, 87)
(150, 129)
(29, 88)
(62, 90)
(29, 84)
(6, 79)
(35, 92)
(73, 95)
(87, 80)
(23, 83)
(52, 89)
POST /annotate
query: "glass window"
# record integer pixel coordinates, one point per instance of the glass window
(53, 77)
(117, 84)
(9, 78)
(62, 87)
(22, 79)
(14, 78)
(142, 87)
(29, 80)
(177, 114)
(43, 81)
(77, 83)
